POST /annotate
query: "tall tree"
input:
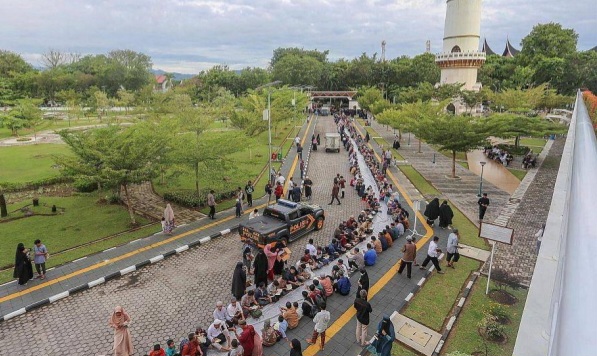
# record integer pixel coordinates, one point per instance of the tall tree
(548, 40)
(509, 125)
(456, 134)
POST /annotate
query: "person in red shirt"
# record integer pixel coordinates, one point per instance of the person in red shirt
(192, 348)
(157, 351)
(279, 191)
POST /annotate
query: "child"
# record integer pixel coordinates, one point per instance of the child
(239, 207)
(164, 225)
(157, 351)
(237, 349)
(171, 349)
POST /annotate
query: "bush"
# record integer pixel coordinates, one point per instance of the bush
(191, 199)
(84, 185)
(503, 279)
(114, 198)
(15, 187)
(498, 311)
(493, 329)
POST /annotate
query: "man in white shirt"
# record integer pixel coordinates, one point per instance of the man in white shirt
(452, 248)
(280, 179)
(432, 254)
(297, 140)
(221, 313)
(254, 214)
(235, 310)
(321, 320)
(312, 249)
(219, 336)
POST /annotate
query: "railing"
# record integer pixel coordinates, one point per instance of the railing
(440, 57)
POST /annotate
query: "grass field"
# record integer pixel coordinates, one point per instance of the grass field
(519, 173)
(31, 162)
(432, 304)
(82, 221)
(533, 143)
(418, 181)
(465, 337)
(399, 350)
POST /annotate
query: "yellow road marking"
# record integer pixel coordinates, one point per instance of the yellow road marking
(351, 312)
(135, 252)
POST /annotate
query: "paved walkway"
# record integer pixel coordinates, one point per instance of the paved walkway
(531, 212)
(461, 192)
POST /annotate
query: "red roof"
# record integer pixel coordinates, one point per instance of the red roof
(160, 79)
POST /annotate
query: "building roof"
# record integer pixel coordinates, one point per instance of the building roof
(488, 51)
(160, 79)
(510, 51)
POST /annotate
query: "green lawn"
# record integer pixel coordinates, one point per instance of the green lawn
(465, 337)
(460, 156)
(469, 233)
(82, 221)
(519, 173)
(400, 350)
(534, 142)
(462, 163)
(419, 181)
(29, 163)
(432, 304)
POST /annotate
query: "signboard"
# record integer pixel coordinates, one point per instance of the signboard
(496, 233)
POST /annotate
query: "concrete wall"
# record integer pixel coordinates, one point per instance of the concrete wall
(561, 307)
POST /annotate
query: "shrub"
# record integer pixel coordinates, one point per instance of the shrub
(84, 185)
(498, 311)
(493, 329)
(503, 279)
(114, 198)
(191, 199)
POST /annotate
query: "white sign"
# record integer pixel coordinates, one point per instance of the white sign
(496, 233)
(416, 205)
(265, 115)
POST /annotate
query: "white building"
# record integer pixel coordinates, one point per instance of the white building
(461, 57)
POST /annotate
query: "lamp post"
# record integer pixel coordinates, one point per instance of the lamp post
(482, 163)
(267, 116)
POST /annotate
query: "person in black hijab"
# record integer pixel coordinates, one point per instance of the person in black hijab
(23, 268)
(363, 281)
(296, 349)
(445, 215)
(432, 211)
(260, 267)
(239, 281)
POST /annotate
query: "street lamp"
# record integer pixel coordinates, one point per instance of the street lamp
(267, 116)
(481, 181)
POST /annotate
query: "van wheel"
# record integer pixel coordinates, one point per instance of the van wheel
(319, 224)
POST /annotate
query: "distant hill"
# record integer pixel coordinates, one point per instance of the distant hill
(594, 49)
(177, 76)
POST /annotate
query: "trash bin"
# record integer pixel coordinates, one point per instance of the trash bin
(279, 156)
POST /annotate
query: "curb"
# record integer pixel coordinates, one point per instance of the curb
(198, 242)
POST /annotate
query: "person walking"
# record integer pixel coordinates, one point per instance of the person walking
(432, 211)
(335, 192)
(40, 254)
(409, 252)
(308, 184)
(299, 151)
(483, 204)
(211, 202)
(302, 168)
(432, 254)
(123, 343)
(452, 248)
(169, 219)
(321, 320)
(342, 184)
(363, 310)
(249, 189)
(445, 215)
(269, 190)
(291, 185)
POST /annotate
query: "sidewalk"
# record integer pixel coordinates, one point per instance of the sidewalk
(115, 262)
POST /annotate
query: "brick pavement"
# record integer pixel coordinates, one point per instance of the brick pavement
(519, 258)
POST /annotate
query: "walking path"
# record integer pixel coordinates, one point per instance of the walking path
(461, 192)
(494, 172)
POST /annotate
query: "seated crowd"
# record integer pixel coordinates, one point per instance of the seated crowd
(502, 156)
(273, 278)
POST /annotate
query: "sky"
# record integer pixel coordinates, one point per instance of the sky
(188, 36)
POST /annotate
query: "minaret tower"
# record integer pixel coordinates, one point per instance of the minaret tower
(461, 57)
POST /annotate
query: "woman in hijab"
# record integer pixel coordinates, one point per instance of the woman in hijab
(260, 268)
(295, 348)
(269, 336)
(384, 338)
(432, 211)
(119, 321)
(246, 337)
(23, 268)
(169, 217)
(271, 252)
(445, 215)
(239, 281)
(363, 281)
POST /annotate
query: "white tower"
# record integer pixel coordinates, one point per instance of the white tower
(461, 57)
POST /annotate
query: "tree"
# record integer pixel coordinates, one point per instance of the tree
(368, 96)
(471, 99)
(293, 69)
(126, 99)
(447, 91)
(120, 156)
(456, 134)
(419, 117)
(101, 103)
(547, 41)
(510, 125)
(395, 118)
(279, 53)
(25, 114)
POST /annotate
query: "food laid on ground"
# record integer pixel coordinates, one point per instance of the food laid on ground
(283, 221)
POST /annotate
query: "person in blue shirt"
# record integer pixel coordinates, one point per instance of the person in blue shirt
(342, 286)
(370, 256)
(282, 327)
(171, 349)
(332, 249)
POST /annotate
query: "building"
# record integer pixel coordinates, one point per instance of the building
(509, 51)
(461, 57)
(162, 84)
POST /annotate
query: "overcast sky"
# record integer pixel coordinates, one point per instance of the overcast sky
(190, 35)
